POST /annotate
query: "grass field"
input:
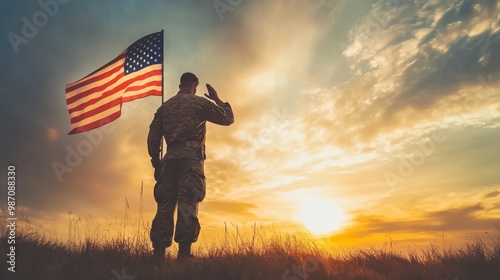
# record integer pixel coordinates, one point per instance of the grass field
(277, 257)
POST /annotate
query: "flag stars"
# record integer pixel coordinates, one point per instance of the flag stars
(143, 53)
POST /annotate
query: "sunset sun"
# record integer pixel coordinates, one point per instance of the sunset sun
(321, 216)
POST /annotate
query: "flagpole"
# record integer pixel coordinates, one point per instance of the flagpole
(162, 87)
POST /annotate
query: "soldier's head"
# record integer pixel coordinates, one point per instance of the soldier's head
(189, 81)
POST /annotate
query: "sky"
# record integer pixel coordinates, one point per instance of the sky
(361, 121)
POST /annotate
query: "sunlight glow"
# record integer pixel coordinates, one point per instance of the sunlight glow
(264, 80)
(321, 216)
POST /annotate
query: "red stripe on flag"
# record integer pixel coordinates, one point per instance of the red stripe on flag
(134, 97)
(97, 78)
(123, 85)
(152, 83)
(97, 98)
(95, 89)
(83, 80)
(97, 110)
(96, 124)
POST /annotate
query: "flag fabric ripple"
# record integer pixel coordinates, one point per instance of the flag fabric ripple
(97, 99)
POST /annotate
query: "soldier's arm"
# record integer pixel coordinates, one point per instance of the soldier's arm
(154, 139)
(221, 113)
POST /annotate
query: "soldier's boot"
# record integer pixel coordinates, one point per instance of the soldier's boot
(158, 256)
(185, 252)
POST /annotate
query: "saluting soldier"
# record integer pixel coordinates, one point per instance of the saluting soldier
(180, 177)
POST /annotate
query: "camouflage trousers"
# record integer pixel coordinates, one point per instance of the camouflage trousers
(182, 185)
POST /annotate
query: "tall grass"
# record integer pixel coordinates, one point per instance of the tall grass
(122, 252)
(263, 255)
(280, 257)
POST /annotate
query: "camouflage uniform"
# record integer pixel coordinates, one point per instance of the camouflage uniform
(181, 121)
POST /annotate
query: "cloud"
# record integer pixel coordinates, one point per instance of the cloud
(491, 194)
(465, 62)
(327, 95)
(465, 219)
(413, 63)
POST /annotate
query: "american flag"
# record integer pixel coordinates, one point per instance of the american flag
(97, 99)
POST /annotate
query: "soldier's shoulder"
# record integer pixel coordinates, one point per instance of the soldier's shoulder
(195, 99)
(172, 100)
(187, 98)
(200, 98)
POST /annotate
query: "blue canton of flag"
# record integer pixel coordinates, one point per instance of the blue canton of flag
(146, 51)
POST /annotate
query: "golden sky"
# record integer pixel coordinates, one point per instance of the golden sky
(362, 120)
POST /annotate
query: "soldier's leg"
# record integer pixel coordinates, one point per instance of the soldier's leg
(191, 192)
(165, 194)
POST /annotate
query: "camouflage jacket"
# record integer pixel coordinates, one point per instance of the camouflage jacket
(181, 121)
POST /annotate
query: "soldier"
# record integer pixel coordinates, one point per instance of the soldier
(180, 174)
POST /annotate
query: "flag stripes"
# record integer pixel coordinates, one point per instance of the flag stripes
(96, 99)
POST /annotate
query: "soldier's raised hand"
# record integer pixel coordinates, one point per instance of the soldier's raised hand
(212, 94)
